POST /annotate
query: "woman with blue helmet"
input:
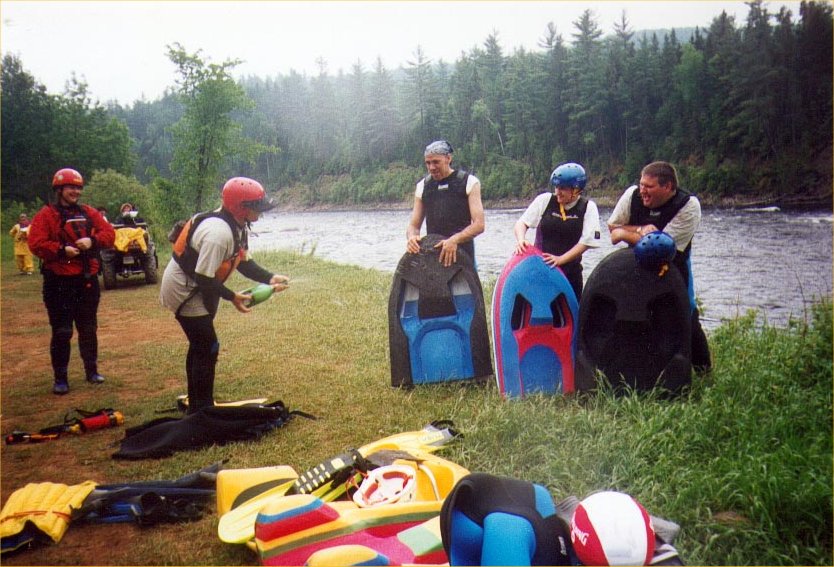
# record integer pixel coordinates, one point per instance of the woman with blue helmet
(566, 223)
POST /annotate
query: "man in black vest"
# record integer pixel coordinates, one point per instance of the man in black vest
(659, 204)
(449, 200)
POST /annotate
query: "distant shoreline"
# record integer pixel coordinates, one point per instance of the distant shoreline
(823, 203)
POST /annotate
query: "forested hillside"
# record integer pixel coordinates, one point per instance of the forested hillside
(743, 108)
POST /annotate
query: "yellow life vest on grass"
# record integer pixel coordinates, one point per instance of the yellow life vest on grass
(48, 506)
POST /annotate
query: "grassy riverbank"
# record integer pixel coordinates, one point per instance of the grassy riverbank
(743, 464)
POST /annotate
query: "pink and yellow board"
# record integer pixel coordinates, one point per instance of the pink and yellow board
(302, 529)
(295, 529)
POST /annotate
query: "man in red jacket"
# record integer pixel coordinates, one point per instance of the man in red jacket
(66, 237)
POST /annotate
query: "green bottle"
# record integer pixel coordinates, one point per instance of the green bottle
(259, 293)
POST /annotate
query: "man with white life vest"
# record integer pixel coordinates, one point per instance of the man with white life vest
(567, 223)
(449, 200)
(66, 236)
(209, 248)
(658, 203)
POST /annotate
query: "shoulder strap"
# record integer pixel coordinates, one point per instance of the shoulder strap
(64, 218)
(184, 253)
(633, 204)
(581, 206)
(222, 214)
(682, 198)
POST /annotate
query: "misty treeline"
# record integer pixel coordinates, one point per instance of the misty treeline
(743, 108)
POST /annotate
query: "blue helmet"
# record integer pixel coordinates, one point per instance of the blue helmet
(654, 250)
(569, 175)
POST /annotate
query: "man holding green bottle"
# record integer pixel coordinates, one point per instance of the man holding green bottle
(209, 248)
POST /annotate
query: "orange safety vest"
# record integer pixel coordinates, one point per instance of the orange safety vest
(186, 256)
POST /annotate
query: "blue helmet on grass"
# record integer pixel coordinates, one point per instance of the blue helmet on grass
(569, 175)
(654, 250)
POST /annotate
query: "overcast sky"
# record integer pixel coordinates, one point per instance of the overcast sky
(118, 47)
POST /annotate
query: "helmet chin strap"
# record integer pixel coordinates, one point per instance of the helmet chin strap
(239, 220)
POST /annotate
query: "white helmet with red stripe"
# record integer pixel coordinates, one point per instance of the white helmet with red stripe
(386, 485)
(612, 528)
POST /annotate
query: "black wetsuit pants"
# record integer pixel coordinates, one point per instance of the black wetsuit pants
(573, 272)
(72, 300)
(701, 361)
(201, 360)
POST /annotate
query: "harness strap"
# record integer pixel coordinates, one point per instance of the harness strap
(62, 213)
(187, 258)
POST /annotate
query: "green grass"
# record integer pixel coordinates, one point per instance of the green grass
(743, 462)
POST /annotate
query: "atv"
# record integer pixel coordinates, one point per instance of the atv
(131, 262)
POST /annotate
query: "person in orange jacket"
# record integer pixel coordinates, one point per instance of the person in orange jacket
(66, 236)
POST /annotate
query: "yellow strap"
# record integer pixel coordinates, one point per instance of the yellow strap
(562, 210)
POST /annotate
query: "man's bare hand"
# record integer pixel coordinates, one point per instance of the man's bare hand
(240, 301)
(413, 245)
(84, 243)
(448, 252)
(279, 283)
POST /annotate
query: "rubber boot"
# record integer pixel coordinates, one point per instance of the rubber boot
(61, 384)
(93, 377)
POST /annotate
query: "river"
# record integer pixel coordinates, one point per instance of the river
(775, 262)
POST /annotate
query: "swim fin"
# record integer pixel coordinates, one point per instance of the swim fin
(182, 402)
(237, 486)
(238, 524)
(325, 481)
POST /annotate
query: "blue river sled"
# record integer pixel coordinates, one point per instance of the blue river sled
(535, 316)
(634, 327)
(437, 329)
